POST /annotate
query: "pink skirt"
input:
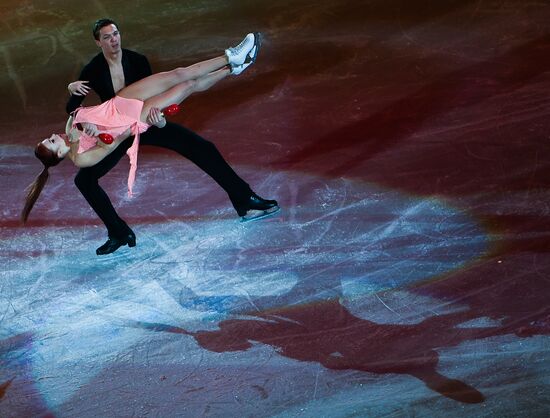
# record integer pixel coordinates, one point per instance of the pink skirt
(114, 117)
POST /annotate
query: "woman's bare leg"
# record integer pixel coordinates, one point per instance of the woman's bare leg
(161, 82)
(180, 92)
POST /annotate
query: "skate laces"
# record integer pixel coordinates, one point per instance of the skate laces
(237, 49)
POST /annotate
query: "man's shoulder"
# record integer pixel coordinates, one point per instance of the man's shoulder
(95, 61)
(128, 53)
(98, 62)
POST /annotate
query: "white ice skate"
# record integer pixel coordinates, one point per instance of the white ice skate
(238, 54)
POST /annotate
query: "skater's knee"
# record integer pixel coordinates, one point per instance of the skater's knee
(208, 146)
(183, 74)
(207, 149)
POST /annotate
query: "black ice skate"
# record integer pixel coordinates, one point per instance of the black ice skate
(259, 208)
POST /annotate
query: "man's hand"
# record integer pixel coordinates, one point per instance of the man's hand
(156, 118)
(90, 129)
(79, 88)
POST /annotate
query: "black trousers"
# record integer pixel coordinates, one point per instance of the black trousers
(174, 137)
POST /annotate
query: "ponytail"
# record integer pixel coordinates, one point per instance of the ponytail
(49, 159)
(34, 191)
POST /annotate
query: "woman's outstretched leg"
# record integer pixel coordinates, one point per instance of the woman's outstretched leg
(180, 92)
(161, 82)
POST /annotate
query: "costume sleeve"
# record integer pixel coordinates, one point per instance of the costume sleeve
(144, 67)
(75, 101)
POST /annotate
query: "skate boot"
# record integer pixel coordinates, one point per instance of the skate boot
(258, 208)
(237, 54)
(237, 69)
(250, 58)
(114, 243)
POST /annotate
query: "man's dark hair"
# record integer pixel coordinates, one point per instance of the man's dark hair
(100, 24)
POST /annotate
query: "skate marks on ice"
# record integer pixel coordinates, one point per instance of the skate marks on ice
(336, 242)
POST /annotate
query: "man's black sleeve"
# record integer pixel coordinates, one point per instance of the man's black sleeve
(75, 101)
(136, 67)
(143, 67)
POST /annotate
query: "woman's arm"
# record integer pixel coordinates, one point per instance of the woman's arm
(95, 154)
(92, 156)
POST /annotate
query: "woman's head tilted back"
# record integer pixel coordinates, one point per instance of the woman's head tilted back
(46, 155)
(50, 152)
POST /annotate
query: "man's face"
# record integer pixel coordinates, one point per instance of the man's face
(109, 39)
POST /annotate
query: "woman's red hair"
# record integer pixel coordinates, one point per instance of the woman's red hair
(49, 159)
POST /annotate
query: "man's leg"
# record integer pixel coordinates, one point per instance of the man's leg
(207, 157)
(86, 181)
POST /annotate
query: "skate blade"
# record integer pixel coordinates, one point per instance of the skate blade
(260, 214)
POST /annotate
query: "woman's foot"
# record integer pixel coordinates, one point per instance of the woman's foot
(237, 55)
(250, 57)
(237, 69)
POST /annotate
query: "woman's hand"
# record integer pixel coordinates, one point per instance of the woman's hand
(78, 88)
(156, 118)
(73, 135)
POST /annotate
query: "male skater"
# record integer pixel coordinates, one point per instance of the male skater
(108, 72)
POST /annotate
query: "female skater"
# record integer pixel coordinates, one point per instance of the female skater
(126, 114)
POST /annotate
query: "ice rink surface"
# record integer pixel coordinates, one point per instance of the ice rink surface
(406, 275)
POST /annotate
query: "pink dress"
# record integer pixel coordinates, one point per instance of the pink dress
(114, 117)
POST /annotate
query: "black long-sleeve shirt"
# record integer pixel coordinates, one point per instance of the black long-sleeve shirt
(134, 65)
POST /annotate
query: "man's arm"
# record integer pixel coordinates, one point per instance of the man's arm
(75, 100)
(96, 72)
(142, 67)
